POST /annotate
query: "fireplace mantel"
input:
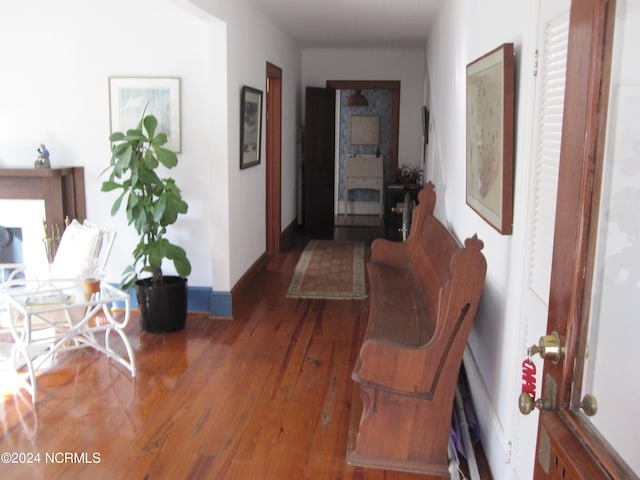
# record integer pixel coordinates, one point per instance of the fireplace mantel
(62, 190)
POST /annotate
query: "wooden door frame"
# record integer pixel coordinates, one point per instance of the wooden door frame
(394, 86)
(565, 438)
(274, 158)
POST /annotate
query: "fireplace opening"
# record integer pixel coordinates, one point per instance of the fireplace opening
(10, 249)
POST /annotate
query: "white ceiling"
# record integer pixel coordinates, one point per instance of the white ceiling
(353, 23)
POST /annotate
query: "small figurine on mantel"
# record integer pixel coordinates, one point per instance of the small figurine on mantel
(43, 158)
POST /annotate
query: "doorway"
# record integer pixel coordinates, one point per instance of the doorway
(393, 86)
(318, 166)
(274, 158)
(384, 101)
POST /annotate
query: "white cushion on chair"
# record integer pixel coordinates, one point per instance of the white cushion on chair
(78, 252)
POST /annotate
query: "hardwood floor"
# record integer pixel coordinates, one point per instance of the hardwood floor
(266, 395)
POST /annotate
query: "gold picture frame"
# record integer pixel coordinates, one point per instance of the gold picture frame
(490, 129)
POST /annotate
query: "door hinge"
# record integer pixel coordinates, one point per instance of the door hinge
(535, 63)
(507, 456)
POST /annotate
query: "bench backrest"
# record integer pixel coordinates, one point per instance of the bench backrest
(451, 275)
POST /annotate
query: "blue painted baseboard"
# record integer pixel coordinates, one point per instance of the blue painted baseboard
(200, 299)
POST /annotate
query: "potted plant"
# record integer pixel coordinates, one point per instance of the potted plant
(408, 176)
(151, 204)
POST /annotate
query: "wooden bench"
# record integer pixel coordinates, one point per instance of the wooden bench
(424, 294)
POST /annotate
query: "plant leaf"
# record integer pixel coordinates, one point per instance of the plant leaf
(165, 156)
(160, 139)
(116, 137)
(117, 203)
(109, 186)
(150, 123)
(159, 208)
(182, 266)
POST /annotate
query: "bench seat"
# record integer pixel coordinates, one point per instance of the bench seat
(397, 299)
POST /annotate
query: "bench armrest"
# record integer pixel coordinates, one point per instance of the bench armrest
(395, 254)
(423, 367)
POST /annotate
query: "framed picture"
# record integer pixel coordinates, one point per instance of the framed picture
(250, 127)
(130, 96)
(364, 129)
(490, 126)
(425, 124)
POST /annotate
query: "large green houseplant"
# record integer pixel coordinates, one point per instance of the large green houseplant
(151, 204)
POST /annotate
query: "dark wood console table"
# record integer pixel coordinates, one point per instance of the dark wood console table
(62, 189)
(393, 220)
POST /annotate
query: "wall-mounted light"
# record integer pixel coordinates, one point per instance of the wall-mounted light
(357, 99)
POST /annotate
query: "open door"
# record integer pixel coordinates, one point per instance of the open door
(588, 422)
(319, 160)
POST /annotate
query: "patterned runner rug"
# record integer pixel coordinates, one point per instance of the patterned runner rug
(330, 270)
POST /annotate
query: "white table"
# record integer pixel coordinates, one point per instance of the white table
(49, 316)
(363, 172)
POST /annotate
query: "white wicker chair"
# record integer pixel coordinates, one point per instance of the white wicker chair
(67, 309)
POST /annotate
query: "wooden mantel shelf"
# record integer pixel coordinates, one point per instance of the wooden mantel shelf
(62, 189)
(36, 172)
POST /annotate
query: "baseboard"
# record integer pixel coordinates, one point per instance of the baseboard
(246, 281)
(221, 305)
(199, 299)
(287, 237)
(491, 429)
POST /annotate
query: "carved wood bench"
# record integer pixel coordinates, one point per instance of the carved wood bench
(424, 294)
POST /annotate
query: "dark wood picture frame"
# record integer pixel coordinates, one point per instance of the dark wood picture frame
(425, 124)
(250, 126)
(490, 129)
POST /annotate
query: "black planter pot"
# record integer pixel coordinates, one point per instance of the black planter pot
(163, 308)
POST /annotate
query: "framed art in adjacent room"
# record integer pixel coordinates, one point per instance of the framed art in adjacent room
(365, 130)
(250, 126)
(490, 129)
(129, 97)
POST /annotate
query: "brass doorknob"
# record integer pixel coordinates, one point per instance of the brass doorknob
(549, 347)
(526, 403)
(589, 405)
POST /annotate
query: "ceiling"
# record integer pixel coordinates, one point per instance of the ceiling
(353, 23)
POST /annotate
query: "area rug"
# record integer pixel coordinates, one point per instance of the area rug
(330, 270)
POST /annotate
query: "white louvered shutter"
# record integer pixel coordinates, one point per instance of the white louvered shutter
(553, 72)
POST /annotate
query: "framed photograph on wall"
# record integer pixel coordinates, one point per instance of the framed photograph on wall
(250, 126)
(490, 128)
(130, 96)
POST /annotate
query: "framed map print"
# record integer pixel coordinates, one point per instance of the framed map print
(490, 127)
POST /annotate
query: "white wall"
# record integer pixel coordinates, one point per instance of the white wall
(57, 57)
(464, 31)
(406, 65)
(253, 40)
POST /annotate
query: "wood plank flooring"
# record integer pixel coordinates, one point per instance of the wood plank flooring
(266, 395)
